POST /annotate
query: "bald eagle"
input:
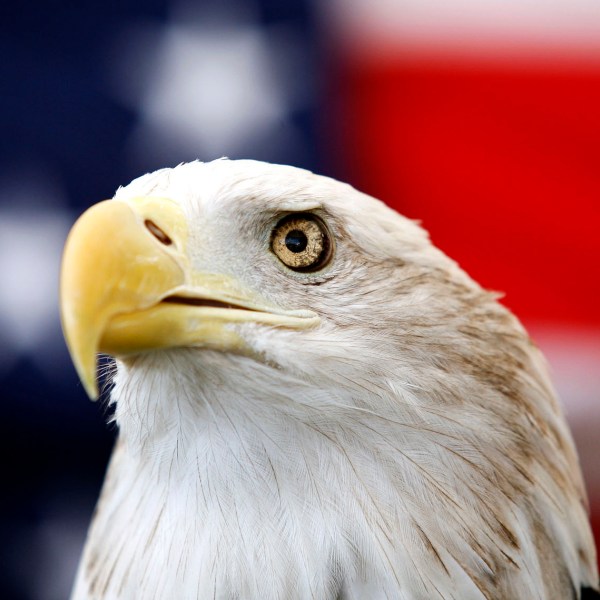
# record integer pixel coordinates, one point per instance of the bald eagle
(313, 402)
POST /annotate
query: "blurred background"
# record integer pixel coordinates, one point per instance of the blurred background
(479, 117)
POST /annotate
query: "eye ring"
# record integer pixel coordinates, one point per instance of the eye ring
(302, 242)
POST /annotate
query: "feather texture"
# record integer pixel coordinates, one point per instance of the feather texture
(410, 447)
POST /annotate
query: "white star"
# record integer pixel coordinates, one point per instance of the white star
(33, 228)
(211, 85)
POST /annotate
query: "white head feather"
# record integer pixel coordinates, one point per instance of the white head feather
(411, 447)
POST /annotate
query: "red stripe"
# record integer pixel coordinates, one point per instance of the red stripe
(501, 163)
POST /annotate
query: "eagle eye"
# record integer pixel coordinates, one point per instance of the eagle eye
(301, 242)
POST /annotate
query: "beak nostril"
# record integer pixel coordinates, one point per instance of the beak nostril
(157, 232)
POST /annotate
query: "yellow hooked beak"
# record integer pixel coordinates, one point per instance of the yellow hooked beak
(127, 287)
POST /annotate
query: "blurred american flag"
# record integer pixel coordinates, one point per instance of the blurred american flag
(479, 117)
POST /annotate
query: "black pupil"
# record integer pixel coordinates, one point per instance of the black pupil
(296, 241)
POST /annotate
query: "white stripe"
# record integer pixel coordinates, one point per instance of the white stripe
(498, 25)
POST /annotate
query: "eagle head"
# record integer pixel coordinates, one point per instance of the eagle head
(312, 402)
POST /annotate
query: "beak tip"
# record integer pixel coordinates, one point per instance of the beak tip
(87, 375)
(91, 389)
